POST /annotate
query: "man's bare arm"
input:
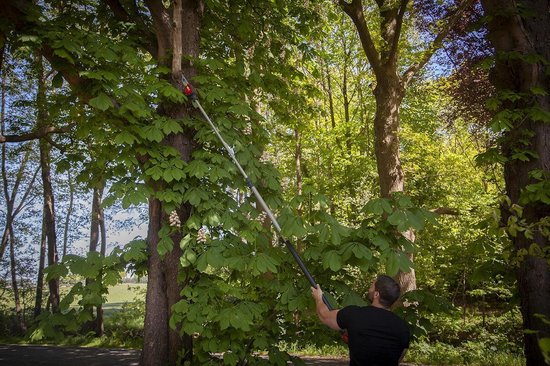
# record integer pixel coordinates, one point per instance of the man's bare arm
(326, 316)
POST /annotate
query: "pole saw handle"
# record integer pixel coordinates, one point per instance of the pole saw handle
(304, 269)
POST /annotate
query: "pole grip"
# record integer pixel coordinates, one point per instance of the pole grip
(304, 269)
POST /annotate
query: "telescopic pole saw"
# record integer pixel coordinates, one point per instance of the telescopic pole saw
(190, 93)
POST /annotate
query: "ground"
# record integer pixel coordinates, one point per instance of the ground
(16, 355)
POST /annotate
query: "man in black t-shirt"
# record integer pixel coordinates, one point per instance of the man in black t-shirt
(377, 337)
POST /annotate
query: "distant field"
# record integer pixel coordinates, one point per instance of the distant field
(117, 296)
(125, 292)
(122, 293)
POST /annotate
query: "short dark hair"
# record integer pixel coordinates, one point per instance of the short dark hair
(388, 289)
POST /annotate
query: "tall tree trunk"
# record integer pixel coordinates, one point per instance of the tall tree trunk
(97, 217)
(389, 94)
(16, 297)
(48, 196)
(178, 37)
(97, 233)
(40, 277)
(522, 28)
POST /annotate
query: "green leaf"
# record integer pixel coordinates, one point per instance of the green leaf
(544, 344)
(239, 109)
(155, 172)
(265, 263)
(415, 219)
(397, 218)
(361, 251)
(171, 126)
(215, 258)
(56, 271)
(195, 196)
(392, 264)
(230, 359)
(382, 242)
(101, 102)
(164, 246)
(125, 138)
(152, 133)
(375, 206)
(64, 54)
(332, 260)
(539, 114)
(196, 168)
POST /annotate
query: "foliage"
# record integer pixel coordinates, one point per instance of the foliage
(472, 353)
(95, 273)
(264, 80)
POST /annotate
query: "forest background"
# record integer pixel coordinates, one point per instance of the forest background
(371, 129)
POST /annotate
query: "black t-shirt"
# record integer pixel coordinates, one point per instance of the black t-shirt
(377, 337)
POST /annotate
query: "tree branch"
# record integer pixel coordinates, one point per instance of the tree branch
(355, 11)
(20, 207)
(59, 147)
(392, 57)
(121, 14)
(446, 211)
(162, 23)
(34, 135)
(436, 44)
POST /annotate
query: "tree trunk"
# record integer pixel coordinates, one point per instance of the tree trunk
(177, 38)
(49, 204)
(97, 218)
(40, 277)
(510, 30)
(389, 94)
(97, 231)
(16, 297)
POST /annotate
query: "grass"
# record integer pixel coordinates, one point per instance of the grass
(123, 293)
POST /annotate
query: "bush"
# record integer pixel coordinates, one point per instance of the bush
(470, 353)
(499, 331)
(125, 327)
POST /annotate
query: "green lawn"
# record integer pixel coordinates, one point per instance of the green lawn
(122, 293)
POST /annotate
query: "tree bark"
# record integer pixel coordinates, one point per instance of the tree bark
(176, 38)
(525, 35)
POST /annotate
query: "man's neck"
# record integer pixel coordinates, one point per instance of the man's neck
(377, 304)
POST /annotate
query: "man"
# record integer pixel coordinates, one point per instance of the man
(377, 337)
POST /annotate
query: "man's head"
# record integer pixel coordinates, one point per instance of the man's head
(384, 290)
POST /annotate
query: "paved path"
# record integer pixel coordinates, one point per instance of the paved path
(16, 355)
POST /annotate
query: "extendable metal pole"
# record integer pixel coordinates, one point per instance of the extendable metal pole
(190, 93)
